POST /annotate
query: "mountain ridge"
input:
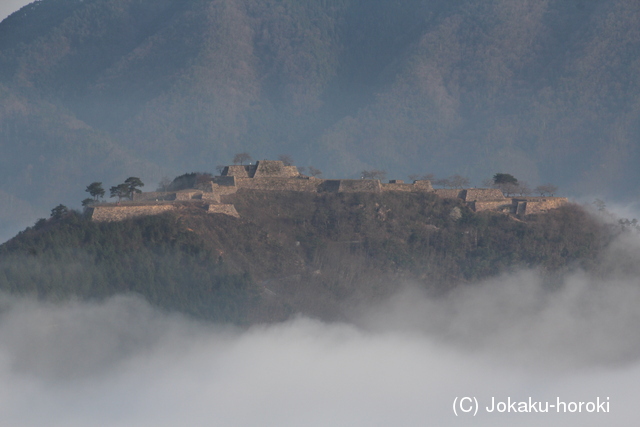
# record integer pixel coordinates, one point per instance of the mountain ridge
(547, 91)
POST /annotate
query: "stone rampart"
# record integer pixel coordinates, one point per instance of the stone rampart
(483, 194)
(448, 193)
(242, 171)
(188, 195)
(534, 205)
(491, 205)
(119, 213)
(398, 185)
(279, 184)
(153, 196)
(360, 186)
(223, 209)
(211, 197)
(223, 190)
(423, 185)
(276, 176)
(329, 186)
(225, 181)
(274, 169)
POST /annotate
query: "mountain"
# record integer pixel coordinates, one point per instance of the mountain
(99, 90)
(320, 254)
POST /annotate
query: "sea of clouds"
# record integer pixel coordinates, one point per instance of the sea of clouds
(402, 361)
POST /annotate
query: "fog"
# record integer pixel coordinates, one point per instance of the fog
(401, 362)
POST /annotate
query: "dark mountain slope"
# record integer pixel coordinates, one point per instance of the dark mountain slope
(291, 252)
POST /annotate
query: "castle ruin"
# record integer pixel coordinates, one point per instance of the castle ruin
(274, 175)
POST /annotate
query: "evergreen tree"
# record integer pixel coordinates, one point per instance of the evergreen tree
(59, 212)
(241, 158)
(132, 184)
(119, 191)
(96, 190)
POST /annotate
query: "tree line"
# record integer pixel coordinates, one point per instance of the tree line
(127, 189)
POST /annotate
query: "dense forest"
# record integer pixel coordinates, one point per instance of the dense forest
(105, 89)
(318, 254)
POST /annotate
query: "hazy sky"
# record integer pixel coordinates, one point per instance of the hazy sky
(7, 7)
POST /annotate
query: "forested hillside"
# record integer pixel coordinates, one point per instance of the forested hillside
(291, 252)
(546, 90)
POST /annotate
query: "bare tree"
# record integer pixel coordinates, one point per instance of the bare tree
(286, 159)
(220, 168)
(523, 189)
(240, 158)
(373, 174)
(314, 172)
(508, 188)
(488, 183)
(425, 177)
(444, 183)
(458, 181)
(545, 189)
(600, 205)
(164, 184)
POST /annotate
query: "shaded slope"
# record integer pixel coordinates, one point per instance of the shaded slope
(317, 254)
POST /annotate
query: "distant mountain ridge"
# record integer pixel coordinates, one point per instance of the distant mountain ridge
(545, 90)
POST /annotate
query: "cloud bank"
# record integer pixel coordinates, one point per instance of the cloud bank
(401, 362)
(123, 363)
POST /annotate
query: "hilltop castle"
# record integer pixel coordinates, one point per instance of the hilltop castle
(274, 175)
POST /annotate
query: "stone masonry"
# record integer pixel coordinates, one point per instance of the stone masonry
(273, 175)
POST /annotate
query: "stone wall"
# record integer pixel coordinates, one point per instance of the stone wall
(398, 185)
(360, 186)
(223, 190)
(189, 195)
(329, 186)
(423, 185)
(275, 169)
(536, 205)
(225, 181)
(223, 209)
(279, 184)
(243, 171)
(153, 196)
(483, 194)
(211, 197)
(448, 193)
(491, 205)
(274, 175)
(119, 213)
